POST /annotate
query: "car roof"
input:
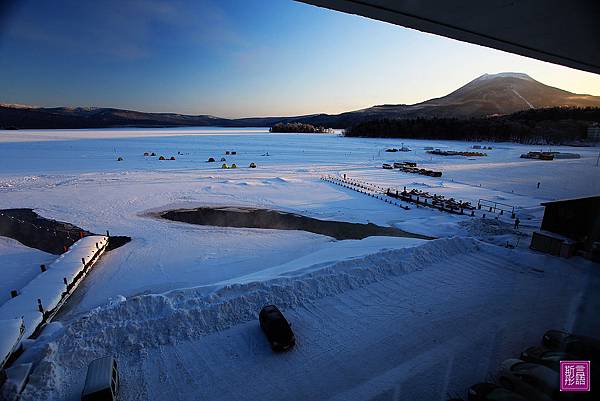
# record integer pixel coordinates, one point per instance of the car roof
(270, 309)
(541, 372)
(99, 375)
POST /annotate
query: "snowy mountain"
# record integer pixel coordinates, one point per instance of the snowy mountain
(487, 95)
(491, 94)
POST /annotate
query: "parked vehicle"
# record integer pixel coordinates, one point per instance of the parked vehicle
(580, 346)
(546, 357)
(532, 381)
(276, 328)
(492, 392)
(101, 381)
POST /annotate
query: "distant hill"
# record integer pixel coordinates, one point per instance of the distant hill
(488, 95)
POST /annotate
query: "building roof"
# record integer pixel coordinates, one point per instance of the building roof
(595, 197)
(527, 28)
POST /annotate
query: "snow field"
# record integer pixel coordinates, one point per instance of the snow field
(375, 319)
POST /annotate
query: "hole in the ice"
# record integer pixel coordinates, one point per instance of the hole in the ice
(243, 217)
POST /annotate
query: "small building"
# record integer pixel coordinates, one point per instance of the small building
(593, 132)
(570, 225)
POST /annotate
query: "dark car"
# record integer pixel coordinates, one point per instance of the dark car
(582, 347)
(532, 381)
(546, 357)
(276, 328)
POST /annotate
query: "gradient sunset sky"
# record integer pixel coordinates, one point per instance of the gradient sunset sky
(236, 58)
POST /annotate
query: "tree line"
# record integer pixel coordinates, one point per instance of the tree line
(554, 125)
(298, 127)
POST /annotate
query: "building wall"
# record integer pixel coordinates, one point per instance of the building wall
(577, 219)
(593, 133)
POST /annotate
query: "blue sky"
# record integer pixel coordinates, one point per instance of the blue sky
(236, 58)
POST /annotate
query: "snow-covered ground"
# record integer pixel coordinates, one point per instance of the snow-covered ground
(380, 318)
(19, 264)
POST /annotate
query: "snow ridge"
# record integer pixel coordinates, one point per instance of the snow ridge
(151, 320)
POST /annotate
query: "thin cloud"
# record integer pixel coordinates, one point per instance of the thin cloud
(126, 30)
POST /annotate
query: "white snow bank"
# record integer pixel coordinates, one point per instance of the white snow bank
(151, 320)
(10, 334)
(19, 264)
(50, 285)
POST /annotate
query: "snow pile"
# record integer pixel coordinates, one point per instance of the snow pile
(484, 228)
(50, 285)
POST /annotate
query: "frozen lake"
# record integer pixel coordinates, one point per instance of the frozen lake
(178, 293)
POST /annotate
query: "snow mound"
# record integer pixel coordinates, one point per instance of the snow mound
(487, 227)
(251, 184)
(280, 180)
